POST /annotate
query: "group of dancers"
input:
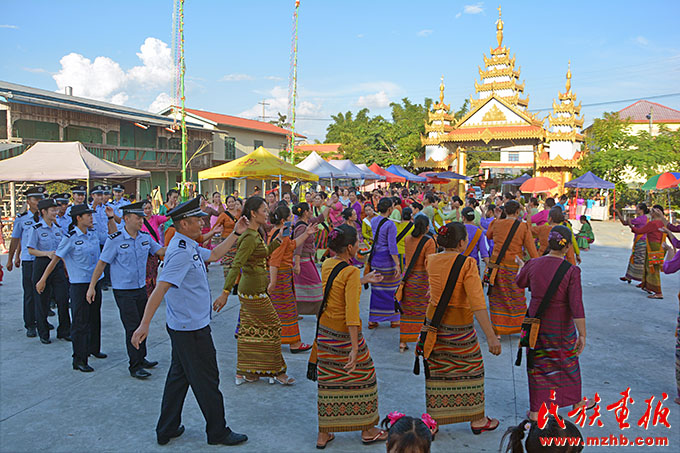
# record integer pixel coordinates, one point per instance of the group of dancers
(427, 257)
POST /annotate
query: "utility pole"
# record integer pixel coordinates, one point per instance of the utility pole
(651, 120)
(263, 104)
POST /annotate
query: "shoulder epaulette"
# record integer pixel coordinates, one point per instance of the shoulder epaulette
(91, 229)
(23, 214)
(182, 244)
(143, 232)
(36, 225)
(114, 235)
(69, 234)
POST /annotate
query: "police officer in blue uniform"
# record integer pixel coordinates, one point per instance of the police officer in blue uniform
(62, 200)
(79, 250)
(102, 215)
(118, 202)
(183, 282)
(42, 243)
(78, 195)
(18, 256)
(126, 251)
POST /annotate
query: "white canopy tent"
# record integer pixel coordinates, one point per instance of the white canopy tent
(60, 161)
(368, 174)
(315, 164)
(352, 171)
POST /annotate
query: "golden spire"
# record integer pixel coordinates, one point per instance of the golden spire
(499, 28)
(568, 86)
(441, 91)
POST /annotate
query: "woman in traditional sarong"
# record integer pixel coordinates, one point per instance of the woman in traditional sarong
(562, 333)
(507, 302)
(384, 258)
(366, 230)
(259, 337)
(670, 266)
(347, 385)
(416, 288)
(541, 233)
(651, 277)
(321, 236)
(280, 287)
(226, 221)
(636, 264)
(336, 209)
(308, 290)
(454, 386)
(404, 227)
(585, 237)
(152, 222)
(476, 246)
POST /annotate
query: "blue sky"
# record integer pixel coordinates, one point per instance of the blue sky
(351, 53)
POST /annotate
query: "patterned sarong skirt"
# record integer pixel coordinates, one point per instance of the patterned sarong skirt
(259, 337)
(507, 302)
(283, 300)
(414, 305)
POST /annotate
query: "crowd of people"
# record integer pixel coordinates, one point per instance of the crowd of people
(426, 257)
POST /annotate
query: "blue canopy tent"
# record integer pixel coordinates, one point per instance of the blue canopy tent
(401, 171)
(589, 180)
(450, 175)
(518, 181)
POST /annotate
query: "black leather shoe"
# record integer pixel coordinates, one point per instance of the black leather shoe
(232, 439)
(64, 337)
(31, 332)
(105, 288)
(84, 367)
(147, 364)
(51, 312)
(45, 341)
(162, 440)
(50, 326)
(99, 355)
(140, 373)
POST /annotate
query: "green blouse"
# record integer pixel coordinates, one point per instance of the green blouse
(251, 262)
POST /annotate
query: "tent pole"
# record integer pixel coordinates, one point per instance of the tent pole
(13, 199)
(280, 190)
(614, 211)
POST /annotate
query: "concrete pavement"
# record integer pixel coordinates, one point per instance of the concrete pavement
(45, 405)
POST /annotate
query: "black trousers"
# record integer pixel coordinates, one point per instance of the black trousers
(30, 294)
(194, 363)
(56, 286)
(131, 304)
(86, 326)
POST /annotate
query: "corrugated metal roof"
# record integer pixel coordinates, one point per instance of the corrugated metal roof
(637, 113)
(243, 123)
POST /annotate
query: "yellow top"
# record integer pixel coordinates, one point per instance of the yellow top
(342, 306)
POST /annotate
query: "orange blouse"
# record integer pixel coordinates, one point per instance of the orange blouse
(498, 231)
(542, 232)
(468, 294)
(282, 257)
(342, 306)
(410, 244)
(227, 224)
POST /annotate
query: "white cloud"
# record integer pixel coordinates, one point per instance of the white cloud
(477, 8)
(275, 78)
(642, 40)
(236, 78)
(277, 101)
(35, 70)
(377, 100)
(104, 79)
(162, 101)
(458, 15)
(360, 35)
(13, 27)
(424, 33)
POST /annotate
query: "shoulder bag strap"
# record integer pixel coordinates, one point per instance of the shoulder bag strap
(297, 224)
(230, 216)
(448, 290)
(508, 240)
(473, 242)
(552, 288)
(375, 238)
(152, 231)
(404, 232)
(416, 254)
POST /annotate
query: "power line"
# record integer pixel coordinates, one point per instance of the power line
(596, 104)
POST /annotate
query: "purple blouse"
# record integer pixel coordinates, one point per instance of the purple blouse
(639, 222)
(479, 248)
(568, 300)
(307, 248)
(386, 242)
(672, 266)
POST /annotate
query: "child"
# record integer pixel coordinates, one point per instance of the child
(409, 435)
(574, 439)
(585, 237)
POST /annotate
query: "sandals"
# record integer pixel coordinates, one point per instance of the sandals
(655, 296)
(381, 436)
(624, 279)
(238, 380)
(331, 436)
(394, 324)
(288, 381)
(403, 347)
(303, 347)
(487, 427)
(372, 325)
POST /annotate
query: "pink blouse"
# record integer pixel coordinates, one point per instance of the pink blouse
(155, 221)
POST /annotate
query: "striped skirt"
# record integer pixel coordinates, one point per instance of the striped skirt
(651, 279)
(636, 265)
(321, 243)
(556, 366)
(507, 302)
(152, 263)
(228, 258)
(259, 337)
(308, 289)
(347, 401)
(382, 293)
(283, 300)
(455, 390)
(414, 305)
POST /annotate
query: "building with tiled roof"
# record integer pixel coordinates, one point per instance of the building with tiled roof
(645, 116)
(328, 151)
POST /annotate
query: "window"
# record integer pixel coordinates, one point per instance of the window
(162, 142)
(230, 148)
(513, 157)
(257, 144)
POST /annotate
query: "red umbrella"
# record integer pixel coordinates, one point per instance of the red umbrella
(432, 178)
(537, 185)
(389, 177)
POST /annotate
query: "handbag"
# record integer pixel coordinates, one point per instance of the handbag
(492, 269)
(655, 257)
(428, 334)
(532, 324)
(312, 373)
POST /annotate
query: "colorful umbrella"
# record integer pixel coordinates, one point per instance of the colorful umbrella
(662, 181)
(433, 178)
(538, 184)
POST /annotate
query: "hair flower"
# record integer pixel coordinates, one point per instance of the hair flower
(442, 230)
(429, 421)
(333, 234)
(394, 417)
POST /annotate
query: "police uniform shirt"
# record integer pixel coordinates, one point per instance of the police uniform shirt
(80, 252)
(100, 223)
(45, 238)
(64, 223)
(23, 226)
(127, 257)
(117, 205)
(188, 301)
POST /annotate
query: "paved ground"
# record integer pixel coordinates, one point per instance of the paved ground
(44, 405)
